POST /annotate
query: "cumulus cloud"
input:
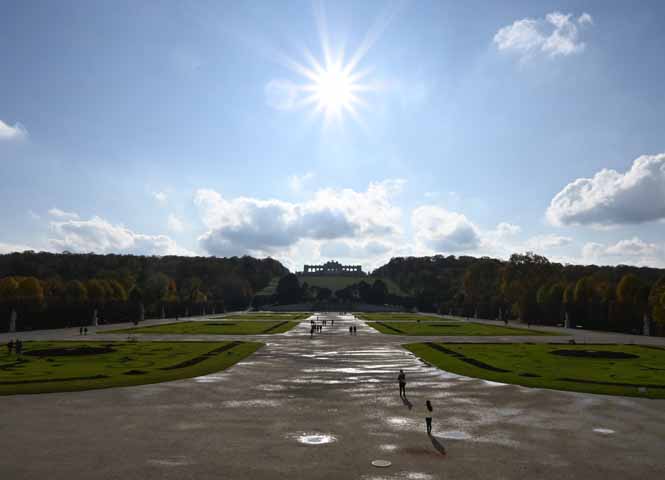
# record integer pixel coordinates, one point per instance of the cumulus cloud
(16, 132)
(505, 229)
(440, 230)
(12, 247)
(633, 251)
(611, 198)
(557, 34)
(550, 241)
(249, 225)
(100, 236)
(175, 224)
(56, 212)
(297, 182)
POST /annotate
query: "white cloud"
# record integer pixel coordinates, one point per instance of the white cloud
(556, 34)
(633, 251)
(611, 198)
(505, 229)
(33, 215)
(175, 224)
(585, 19)
(248, 225)
(539, 243)
(56, 212)
(439, 230)
(100, 236)
(297, 182)
(12, 247)
(16, 132)
(161, 197)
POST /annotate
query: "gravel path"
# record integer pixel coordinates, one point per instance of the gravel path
(325, 408)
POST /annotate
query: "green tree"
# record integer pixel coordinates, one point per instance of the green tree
(8, 290)
(30, 292)
(288, 290)
(75, 293)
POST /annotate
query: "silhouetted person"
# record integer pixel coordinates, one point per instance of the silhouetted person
(401, 379)
(81, 331)
(10, 346)
(19, 347)
(311, 332)
(85, 331)
(350, 330)
(505, 321)
(355, 330)
(428, 416)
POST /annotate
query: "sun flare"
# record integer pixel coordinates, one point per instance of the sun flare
(333, 90)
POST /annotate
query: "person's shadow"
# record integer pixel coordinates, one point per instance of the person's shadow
(406, 402)
(438, 445)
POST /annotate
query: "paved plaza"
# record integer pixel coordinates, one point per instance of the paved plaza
(325, 408)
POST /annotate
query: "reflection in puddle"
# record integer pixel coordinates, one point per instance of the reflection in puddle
(251, 403)
(315, 438)
(169, 462)
(604, 431)
(388, 447)
(454, 435)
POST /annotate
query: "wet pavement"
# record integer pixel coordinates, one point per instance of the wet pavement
(327, 407)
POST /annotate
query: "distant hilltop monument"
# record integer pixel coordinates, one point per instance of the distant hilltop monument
(334, 268)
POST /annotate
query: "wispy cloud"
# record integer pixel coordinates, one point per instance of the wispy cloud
(297, 182)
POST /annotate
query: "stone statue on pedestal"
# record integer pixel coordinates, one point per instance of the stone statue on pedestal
(12, 321)
(95, 319)
(646, 326)
(566, 321)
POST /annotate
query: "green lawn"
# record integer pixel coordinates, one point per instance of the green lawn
(450, 329)
(402, 317)
(240, 327)
(534, 365)
(68, 366)
(338, 282)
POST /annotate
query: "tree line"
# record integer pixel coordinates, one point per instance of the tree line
(530, 288)
(49, 290)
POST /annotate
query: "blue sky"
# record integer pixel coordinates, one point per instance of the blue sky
(475, 128)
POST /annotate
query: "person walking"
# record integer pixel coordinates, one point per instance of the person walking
(401, 379)
(311, 332)
(19, 346)
(429, 411)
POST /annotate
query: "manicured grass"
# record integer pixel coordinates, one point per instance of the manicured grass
(264, 316)
(239, 327)
(402, 317)
(68, 366)
(338, 282)
(534, 365)
(450, 329)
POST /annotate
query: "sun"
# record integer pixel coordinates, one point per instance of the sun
(333, 88)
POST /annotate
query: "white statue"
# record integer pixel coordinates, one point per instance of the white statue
(12, 321)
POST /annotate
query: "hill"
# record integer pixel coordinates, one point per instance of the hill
(335, 283)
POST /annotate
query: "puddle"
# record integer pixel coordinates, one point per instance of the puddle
(388, 447)
(315, 438)
(169, 462)
(604, 431)
(251, 403)
(453, 435)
